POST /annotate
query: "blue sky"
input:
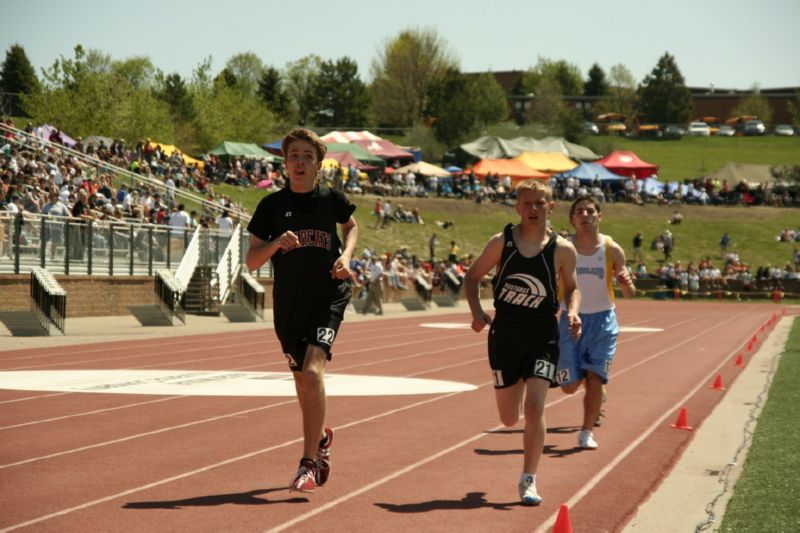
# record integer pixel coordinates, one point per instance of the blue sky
(727, 43)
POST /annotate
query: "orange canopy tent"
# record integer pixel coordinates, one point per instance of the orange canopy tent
(514, 168)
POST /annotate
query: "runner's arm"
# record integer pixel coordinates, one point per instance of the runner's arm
(489, 258)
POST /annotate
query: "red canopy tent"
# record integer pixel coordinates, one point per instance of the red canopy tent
(385, 149)
(514, 168)
(627, 164)
(346, 159)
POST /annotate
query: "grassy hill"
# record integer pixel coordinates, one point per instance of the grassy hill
(752, 229)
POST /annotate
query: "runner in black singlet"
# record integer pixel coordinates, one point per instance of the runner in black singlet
(296, 229)
(530, 263)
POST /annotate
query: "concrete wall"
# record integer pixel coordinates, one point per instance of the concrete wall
(110, 295)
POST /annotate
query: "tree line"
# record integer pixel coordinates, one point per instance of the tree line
(416, 87)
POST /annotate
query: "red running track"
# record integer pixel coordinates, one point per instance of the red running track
(125, 462)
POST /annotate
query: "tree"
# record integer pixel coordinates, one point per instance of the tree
(341, 97)
(172, 90)
(247, 69)
(138, 71)
(460, 104)
(301, 85)
(272, 92)
(548, 103)
(621, 96)
(224, 112)
(596, 84)
(753, 104)
(402, 74)
(90, 94)
(663, 95)
(794, 108)
(17, 77)
(566, 75)
(490, 105)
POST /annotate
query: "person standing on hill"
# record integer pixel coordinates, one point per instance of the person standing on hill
(295, 227)
(375, 290)
(588, 359)
(530, 263)
(432, 247)
(637, 247)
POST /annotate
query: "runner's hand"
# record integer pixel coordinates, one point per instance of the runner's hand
(574, 326)
(288, 241)
(341, 268)
(479, 323)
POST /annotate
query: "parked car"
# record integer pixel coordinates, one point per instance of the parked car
(784, 129)
(674, 132)
(754, 127)
(591, 128)
(698, 129)
(726, 130)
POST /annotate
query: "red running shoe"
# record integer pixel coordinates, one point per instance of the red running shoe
(305, 479)
(324, 458)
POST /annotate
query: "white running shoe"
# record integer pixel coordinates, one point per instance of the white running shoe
(586, 440)
(527, 490)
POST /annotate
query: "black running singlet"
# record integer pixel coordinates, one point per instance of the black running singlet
(525, 287)
(304, 273)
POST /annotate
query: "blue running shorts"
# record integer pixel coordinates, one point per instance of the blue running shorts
(594, 350)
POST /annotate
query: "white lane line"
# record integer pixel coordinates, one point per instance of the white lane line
(583, 491)
(88, 413)
(145, 434)
(426, 460)
(344, 498)
(217, 465)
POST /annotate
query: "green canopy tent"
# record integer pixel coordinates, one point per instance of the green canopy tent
(243, 149)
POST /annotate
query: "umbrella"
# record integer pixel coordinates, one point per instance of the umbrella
(264, 184)
(454, 169)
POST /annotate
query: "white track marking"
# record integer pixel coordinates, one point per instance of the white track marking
(266, 450)
(216, 465)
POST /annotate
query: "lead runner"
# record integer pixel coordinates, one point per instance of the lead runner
(296, 229)
(530, 262)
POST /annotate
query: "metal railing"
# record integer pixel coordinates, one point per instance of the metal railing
(99, 247)
(230, 265)
(191, 256)
(48, 299)
(168, 292)
(253, 294)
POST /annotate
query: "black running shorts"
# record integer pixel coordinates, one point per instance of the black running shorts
(297, 325)
(523, 350)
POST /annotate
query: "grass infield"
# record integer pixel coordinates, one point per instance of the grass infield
(767, 495)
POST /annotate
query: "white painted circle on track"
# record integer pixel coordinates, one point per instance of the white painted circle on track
(624, 329)
(215, 383)
(445, 325)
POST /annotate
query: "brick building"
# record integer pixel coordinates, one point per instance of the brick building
(707, 101)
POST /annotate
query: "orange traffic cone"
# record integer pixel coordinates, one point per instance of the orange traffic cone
(718, 383)
(563, 523)
(682, 422)
(740, 361)
(750, 347)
